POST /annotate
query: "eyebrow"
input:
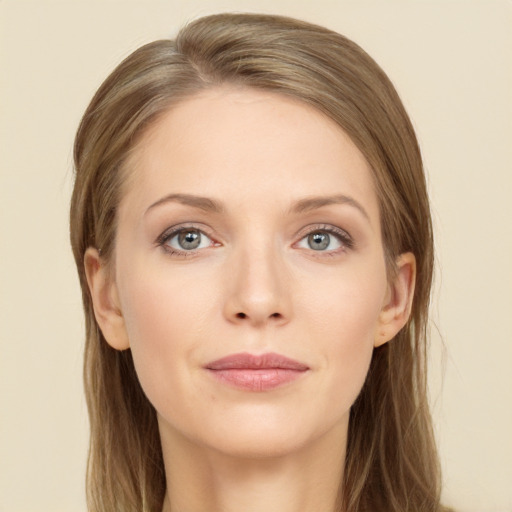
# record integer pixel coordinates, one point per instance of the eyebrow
(202, 203)
(304, 205)
(315, 202)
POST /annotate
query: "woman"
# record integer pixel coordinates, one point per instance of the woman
(252, 233)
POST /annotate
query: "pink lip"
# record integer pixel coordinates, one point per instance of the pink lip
(256, 373)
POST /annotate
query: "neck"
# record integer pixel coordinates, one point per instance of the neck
(200, 478)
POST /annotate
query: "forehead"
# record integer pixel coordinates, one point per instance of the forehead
(247, 147)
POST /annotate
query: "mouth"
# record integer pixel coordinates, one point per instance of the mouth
(256, 372)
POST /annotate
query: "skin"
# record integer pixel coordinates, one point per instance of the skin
(254, 285)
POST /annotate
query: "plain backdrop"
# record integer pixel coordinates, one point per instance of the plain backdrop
(451, 63)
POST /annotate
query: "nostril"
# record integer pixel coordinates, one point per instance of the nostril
(244, 315)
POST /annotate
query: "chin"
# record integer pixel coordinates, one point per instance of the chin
(269, 437)
(261, 445)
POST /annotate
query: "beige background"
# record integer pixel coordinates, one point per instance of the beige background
(451, 62)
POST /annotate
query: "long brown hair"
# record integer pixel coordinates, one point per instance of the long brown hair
(391, 462)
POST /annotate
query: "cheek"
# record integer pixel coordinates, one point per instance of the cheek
(161, 306)
(164, 325)
(347, 321)
(346, 305)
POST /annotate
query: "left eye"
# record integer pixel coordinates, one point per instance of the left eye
(321, 240)
(188, 240)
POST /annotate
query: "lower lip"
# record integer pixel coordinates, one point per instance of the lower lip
(261, 379)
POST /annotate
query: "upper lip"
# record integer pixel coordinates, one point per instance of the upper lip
(245, 361)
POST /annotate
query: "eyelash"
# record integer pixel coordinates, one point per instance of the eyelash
(170, 233)
(347, 242)
(343, 237)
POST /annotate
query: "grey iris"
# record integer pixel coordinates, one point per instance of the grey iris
(189, 239)
(318, 241)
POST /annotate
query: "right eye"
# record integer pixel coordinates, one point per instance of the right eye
(185, 240)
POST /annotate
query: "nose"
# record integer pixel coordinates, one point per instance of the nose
(258, 289)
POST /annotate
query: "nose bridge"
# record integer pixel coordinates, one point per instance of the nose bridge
(257, 293)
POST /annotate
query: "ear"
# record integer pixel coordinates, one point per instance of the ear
(105, 299)
(398, 302)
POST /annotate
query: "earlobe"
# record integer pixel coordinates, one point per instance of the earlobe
(398, 304)
(107, 309)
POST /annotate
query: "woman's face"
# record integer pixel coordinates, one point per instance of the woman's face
(249, 227)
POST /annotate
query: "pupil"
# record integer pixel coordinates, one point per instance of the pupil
(318, 241)
(190, 239)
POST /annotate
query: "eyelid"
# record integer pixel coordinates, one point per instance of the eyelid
(343, 236)
(172, 231)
